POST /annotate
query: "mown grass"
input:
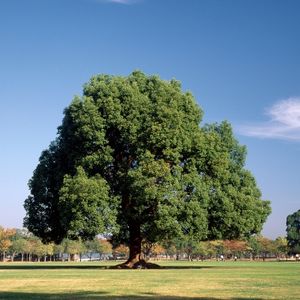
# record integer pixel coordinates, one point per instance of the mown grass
(177, 280)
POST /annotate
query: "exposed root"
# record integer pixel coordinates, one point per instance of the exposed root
(140, 264)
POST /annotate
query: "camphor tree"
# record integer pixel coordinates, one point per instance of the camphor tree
(131, 160)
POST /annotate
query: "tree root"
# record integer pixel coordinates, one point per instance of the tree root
(140, 264)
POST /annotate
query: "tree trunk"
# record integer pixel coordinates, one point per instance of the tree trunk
(135, 249)
(135, 246)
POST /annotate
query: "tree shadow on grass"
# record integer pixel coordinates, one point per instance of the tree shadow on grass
(42, 266)
(103, 295)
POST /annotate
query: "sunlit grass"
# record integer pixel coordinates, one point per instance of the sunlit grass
(177, 280)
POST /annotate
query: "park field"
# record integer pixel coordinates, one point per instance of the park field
(176, 280)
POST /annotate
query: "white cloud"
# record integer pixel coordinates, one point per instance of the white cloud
(283, 123)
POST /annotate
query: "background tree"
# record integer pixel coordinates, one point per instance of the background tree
(170, 248)
(201, 250)
(29, 248)
(58, 250)
(147, 249)
(38, 248)
(105, 248)
(293, 232)
(120, 252)
(130, 159)
(266, 247)
(49, 251)
(254, 247)
(19, 243)
(6, 235)
(281, 246)
(189, 247)
(91, 247)
(198, 250)
(157, 250)
(235, 248)
(218, 247)
(98, 246)
(73, 248)
(18, 246)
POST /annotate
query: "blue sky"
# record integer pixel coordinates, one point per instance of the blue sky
(240, 59)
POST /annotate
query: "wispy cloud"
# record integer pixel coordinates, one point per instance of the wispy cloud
(124, 2)
(283, 123)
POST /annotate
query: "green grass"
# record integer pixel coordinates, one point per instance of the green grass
(177, 280)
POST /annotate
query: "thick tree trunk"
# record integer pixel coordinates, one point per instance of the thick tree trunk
(135, 247)
(135, 259)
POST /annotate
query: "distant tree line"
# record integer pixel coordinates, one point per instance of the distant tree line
(19, 244)
(256, 247)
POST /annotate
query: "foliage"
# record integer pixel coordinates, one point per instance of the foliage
(130, 159)
(85, 202)
(105, 247)
(170, 248)
(58, 250)
(120, 251)
(293, 232)
(235, 208)
(99, 246)
(262, 246)
(5, 241)
(157, 250)
(235, 247)
(73, 247)
(38, 248)
(280, 246)
(18, 245)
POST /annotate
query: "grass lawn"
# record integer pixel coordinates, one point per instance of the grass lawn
(177, 280)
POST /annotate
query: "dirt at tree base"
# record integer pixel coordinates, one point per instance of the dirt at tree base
(141, 264)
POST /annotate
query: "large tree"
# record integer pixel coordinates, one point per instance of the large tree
(293, 232)
(131, 160)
